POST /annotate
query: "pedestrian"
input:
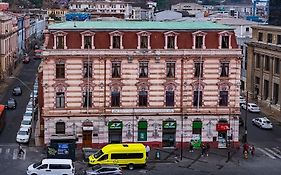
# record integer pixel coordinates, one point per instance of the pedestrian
(21, 151)
(246, 148)
(147, 149)
(203, 149)
(252, 150)
(207, 149)
(190, 147)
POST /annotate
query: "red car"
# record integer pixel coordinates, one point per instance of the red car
(26, 60)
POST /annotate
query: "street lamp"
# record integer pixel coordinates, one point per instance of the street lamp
(25, 85)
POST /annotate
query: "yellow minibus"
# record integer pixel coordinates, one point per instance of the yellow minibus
(125, 155)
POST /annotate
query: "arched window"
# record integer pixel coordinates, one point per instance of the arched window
(60, 128)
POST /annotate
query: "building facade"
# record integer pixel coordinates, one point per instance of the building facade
(99, 8)
(162, 83)
(263, 72)
(8, 45)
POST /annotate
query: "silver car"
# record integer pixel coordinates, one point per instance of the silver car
(104, 169)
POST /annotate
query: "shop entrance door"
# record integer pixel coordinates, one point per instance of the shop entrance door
(87, 139)
(115, 136)
(222, 136)
(169, 138)
(169, 134)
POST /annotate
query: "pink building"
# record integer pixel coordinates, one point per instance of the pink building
(160, 83)
(8, 45)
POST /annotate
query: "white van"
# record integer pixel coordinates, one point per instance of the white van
(52, 167)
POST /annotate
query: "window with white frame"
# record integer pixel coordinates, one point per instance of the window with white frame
(60, 40)
(60, 100)
(224, 68)
(171, 40)
(170, 69)
(116, 40)
(87, 40)
(143, 97)
(143, 40)
(225, 40)
(115, 98)
(199, 40)
(143, 69)
(116, 69)
(170, 96)
(87, 98)
(223, 99)
(87, 69)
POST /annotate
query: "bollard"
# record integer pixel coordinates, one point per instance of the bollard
(157, 155)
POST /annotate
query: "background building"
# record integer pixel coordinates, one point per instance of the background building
(155, 82)
(263, 71)
(274, 12)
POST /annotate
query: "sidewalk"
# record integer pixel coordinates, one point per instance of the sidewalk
(174, 155)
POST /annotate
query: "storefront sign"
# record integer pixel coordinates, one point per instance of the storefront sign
(222, 126)
(115, 125)
(142, 110)
(142, 125)
(88, 128)
(169, 125)
(197, 124)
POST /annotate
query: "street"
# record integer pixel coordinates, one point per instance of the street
(267, 157)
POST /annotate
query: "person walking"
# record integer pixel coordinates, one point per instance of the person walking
(207, 149)
(252, 150)
(147, 149)
(203, 149)
(191, 147)
(21, 151)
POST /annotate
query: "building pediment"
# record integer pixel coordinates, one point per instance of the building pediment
(87, 33)
(199, 33)
(60, 33)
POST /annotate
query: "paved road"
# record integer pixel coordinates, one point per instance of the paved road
(260, 137)
(14, 117)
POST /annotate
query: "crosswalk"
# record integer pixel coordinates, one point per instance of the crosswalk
(11, 153)
(271, 152)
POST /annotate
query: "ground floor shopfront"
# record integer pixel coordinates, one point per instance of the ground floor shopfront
(156, 131)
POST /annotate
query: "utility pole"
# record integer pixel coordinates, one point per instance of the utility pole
(246, 118)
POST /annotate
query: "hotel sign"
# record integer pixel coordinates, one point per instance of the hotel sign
(142, 110)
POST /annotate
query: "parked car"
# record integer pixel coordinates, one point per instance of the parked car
(104, 169)
(52, 167)
(252, 107)
(263, 123)
(26, 60)
(23, 135)
(11, 103)
(17, 91)
(27, 115)
(242, 100)
(26, 122)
